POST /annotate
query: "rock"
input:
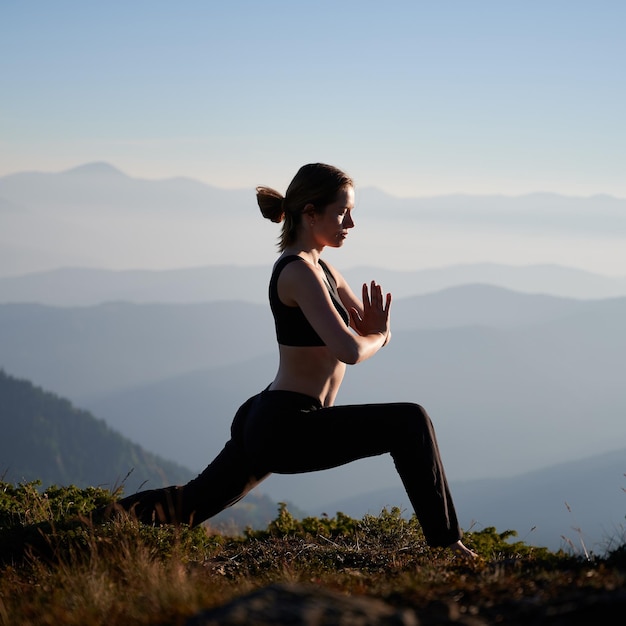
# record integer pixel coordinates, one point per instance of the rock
(310, 605)
(303, 605)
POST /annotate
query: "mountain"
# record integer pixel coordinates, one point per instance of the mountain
(81, 286)
(579, 505)
(93, 186)
(45, 437)
(119, 345)
(96, 185)
(95, 216)
(70, 287)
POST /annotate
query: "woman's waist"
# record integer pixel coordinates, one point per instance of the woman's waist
(325, 395)
(323, 389)
(312, 374)
(289, 396)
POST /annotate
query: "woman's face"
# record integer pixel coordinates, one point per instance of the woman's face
(331, 227)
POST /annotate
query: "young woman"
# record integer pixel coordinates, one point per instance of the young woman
(293, 426)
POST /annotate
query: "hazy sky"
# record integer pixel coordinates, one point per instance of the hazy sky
(416, 98)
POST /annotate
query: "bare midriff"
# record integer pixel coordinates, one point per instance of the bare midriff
(310, 370)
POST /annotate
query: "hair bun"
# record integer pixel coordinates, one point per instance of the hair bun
(271, 204)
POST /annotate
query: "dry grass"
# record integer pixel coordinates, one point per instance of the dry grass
(124, 573)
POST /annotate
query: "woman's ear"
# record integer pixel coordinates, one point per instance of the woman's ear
(309, 212)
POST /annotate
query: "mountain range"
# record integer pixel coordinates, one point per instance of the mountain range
(80, 286)
(96, 216)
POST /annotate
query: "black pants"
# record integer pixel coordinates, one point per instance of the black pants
(289, 433)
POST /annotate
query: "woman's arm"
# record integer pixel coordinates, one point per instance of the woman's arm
(300, 284)
(352, 303)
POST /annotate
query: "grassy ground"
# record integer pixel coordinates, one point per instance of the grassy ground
(57, 567)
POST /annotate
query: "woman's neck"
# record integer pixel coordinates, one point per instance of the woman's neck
(312, 255)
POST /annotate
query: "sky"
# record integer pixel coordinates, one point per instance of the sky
(415, 98)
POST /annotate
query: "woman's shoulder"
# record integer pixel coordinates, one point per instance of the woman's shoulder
(285, 260)
(304, 270)
(286, 267)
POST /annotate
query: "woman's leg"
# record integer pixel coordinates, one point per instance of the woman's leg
(227, 479)
(287, 433)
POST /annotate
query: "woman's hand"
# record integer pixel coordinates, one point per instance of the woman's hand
(375, 317)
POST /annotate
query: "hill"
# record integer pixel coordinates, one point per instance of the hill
(46, 438)
(83, 286)
(119, 345)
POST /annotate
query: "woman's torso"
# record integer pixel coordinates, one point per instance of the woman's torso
(306, 365)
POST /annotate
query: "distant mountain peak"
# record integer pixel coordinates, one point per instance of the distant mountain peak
(97, 168)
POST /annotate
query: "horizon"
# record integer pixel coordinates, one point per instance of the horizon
(112, 166)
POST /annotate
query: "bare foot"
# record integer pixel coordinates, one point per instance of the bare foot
(463, 551)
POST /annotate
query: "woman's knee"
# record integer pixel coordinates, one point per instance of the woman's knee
(415, 418)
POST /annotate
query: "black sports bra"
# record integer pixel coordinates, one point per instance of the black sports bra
(292, 326)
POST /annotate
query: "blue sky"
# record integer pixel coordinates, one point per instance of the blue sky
(416, 98)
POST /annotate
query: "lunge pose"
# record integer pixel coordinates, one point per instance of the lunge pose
(293, 425)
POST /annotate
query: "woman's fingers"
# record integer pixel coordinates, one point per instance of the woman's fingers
(375, 291)
(373, 296)
(366, 296)
(375, 310)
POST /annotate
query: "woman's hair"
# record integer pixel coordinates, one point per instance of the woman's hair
(317, 184)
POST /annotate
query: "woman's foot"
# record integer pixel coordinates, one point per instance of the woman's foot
(461, 550)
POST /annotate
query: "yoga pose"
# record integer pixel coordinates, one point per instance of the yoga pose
(293, 426)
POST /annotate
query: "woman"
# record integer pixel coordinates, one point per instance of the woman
(293, 425)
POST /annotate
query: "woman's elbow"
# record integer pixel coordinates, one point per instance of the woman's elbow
(350, 357)
(348, 354)
(354, 348)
